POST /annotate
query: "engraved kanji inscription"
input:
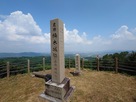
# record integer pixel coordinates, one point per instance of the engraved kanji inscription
(54, 35)
(54, 42)
(55, 49)
(54, 29)
(54, 55)
(54, 24)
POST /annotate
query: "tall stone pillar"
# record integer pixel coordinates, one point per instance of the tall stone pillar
(57, 50)
(58, 89)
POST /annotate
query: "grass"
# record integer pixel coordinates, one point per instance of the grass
(91, 86)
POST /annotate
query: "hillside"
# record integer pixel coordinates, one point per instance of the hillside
(91, 86)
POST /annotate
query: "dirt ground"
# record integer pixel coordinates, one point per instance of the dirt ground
(91, 86)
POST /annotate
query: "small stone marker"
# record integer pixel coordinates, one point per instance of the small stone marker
(58, 89)
(77, 63)
(77, 72)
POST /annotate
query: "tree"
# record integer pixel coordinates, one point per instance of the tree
(132, 56)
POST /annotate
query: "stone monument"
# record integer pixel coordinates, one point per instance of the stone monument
(58, 89)
(77, 63)
(57, 51)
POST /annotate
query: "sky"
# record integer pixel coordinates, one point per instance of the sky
(89, 25)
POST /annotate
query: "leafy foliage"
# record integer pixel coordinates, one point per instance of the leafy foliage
(126, 61)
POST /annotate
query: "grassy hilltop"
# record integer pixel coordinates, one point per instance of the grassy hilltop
(91, 86)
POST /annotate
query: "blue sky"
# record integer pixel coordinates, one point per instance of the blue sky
(90, 25)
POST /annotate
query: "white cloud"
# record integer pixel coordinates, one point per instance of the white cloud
(21, 27)
(19, 32)
(74, 37)
(122, 39)
(123, 34)
(40, 39)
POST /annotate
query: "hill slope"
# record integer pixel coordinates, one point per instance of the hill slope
(91, 86)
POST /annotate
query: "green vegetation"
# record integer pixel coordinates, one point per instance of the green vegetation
(19, 64)
(123, 56)
(126, 61)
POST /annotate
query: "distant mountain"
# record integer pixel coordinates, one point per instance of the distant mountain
(23, 54)
(70, 54)
(99, 53)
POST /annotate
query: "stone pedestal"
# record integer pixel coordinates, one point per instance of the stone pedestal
(57, 92)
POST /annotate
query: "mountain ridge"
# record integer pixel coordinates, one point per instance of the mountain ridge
(67, 54)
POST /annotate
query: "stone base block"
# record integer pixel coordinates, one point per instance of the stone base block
(76, 73)
(60, 92)
(46, 98)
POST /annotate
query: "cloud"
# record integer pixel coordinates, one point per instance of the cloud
(122, 39)
(19, 32)
(124, 34)
(74, 37)
(21, 27)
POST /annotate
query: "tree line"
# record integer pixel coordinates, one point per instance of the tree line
(126, 60)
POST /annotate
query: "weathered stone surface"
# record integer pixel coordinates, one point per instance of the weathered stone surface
(57, 90)
(77, 63)
(46, 98)
(57, 50)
